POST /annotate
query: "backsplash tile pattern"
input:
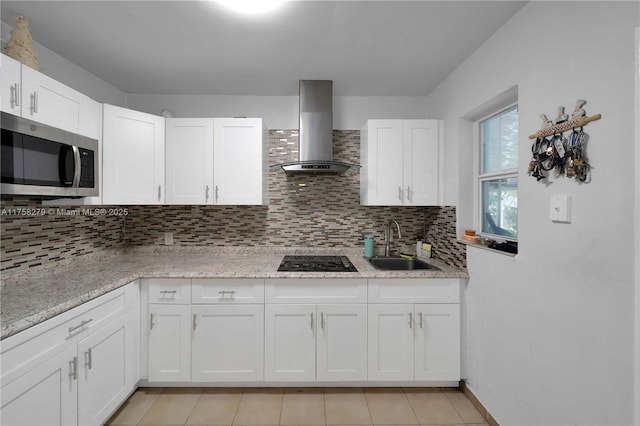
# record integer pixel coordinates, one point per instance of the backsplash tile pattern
(311, 211)
(54, 234)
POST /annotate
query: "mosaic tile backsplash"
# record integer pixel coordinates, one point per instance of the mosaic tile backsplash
(312, 211)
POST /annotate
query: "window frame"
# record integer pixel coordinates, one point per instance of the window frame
(481, 177)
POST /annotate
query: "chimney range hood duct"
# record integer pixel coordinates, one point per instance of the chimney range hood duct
(315, 151)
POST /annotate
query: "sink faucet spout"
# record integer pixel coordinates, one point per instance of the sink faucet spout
(388, 236)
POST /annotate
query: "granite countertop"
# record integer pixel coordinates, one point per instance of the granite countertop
(29, 298)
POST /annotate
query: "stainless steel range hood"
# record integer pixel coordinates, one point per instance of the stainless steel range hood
(315, 151)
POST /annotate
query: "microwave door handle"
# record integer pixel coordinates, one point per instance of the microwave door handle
(78, 167)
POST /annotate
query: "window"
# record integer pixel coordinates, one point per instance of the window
(498, 177)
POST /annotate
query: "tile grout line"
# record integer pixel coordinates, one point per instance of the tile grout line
(186, 421)
(404, 392)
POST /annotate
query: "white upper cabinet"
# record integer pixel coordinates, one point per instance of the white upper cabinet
(421, 163)
(240, 161)
(217, 161)
(10, 85)
(189, 161)
(40, 98)
(132, 157)
(400, 163)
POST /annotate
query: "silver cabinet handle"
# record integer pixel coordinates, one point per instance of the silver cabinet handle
(420, 314)
(400, 193)
(77, 167)
(151, 323)
(88, 359)
(410, 319)
(34, 103)
(206, 194)
(231, 293)
(81, 325)
(15, 95)
(322, 320)
(168, 291)
(159, 192)
(311, 320)
(194, 321)
(408, 193)
(73, 368)
(216, 194)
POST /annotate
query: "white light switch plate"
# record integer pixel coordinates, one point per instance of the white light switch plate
(560, 208)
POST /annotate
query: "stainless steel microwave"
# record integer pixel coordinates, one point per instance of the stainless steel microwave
(45, 162)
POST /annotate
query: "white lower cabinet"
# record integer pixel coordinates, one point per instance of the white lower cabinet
(169, 343)
(227, 343)
(103, 379)
(303, 330)
(414, 342)
(342, 343)
(310, 342)
(76, 368)
(46, 395)
(209, 337)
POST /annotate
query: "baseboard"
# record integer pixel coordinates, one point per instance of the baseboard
(476, 403)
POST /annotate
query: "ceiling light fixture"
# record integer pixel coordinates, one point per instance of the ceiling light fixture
(251, 7)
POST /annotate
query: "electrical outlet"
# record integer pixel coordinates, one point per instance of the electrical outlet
(168, 238)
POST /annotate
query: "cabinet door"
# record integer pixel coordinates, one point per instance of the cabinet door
(46, 395)
(382, 163)
(10, 85)
(290, 342)
(133, 157)
(189, 160)
(391, 342)
(50, 102)
(421, 162)
(437, 355)
(169, 343)
(228, 343)
(342, 342)
(103, 360)
(240, 161)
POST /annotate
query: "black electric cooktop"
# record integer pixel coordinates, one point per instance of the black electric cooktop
(292, 263)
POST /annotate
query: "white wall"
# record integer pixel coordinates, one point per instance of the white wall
(550, 333)
(65, 71)
(281, 112)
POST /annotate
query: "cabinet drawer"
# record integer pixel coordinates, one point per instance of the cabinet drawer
(327, 290)
(175, 291)
(419, 290)
(227, 291)
(30, 347)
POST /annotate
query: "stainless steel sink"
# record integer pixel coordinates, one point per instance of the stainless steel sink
(392, 263)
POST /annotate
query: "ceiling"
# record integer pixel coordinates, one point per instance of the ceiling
(369, 48)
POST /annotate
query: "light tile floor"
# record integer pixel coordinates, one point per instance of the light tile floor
(297, 407)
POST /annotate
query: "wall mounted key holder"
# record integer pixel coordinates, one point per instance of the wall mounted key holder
(552, 150)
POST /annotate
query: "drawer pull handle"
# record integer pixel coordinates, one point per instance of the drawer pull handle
(81, 325)
(225, 292)
(410, 319)
(168, 291)
(322, 320)
(420, 319)
(151, 323)
(311, 320)
(89, 359)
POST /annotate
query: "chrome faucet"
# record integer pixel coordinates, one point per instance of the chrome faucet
(388, 236)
